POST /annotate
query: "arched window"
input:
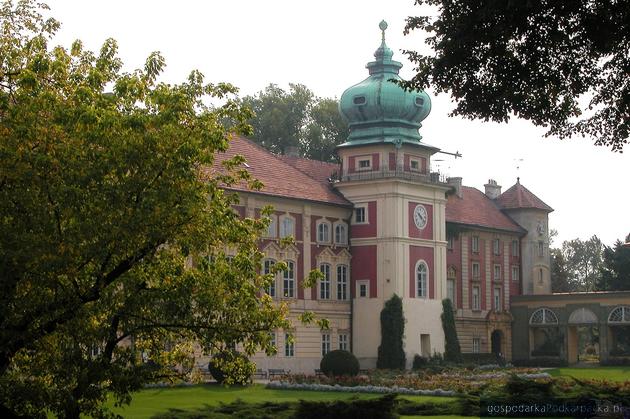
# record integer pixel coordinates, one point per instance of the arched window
(543, 316)
(620, 314)
(422, 275)
(341, 234)
(342, 282)
(324, 284)
(289, 280)
(287, 226)
(323, 232)
(267, 267)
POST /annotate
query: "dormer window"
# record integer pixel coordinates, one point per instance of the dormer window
(359, 100)
(323, 232)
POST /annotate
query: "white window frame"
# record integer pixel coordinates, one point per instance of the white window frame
(340, 230)
(365, 214)
(343, 342)
(496, 272)
(496, 247)
(282, 232)
(474, 245)
(359, 159)
(271, 291)
(497, 299)
(422, 284)
(326, 343)
(450, 286)
(289, 348)
(476, 298)
(418, 162)
(323, 231)
(450, 243)
(472, 271)
(515, 273)
(324, 284)
(342, 282)
(515, 248)
(366, 284)
(272, 228)
(288, 280)
(541, 249)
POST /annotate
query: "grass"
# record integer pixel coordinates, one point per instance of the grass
(147, 403)
(599, 373)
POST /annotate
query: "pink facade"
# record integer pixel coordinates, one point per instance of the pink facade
(426, 232)
(363, 267)
(420, 253)
(368, 229)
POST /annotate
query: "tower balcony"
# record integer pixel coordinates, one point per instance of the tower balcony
(400, 172)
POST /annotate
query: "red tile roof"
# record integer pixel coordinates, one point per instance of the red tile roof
(476, 209)
(518, 196)
(318, 170)
(279, 178)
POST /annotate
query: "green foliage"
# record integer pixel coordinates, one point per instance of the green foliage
(382, 408)
(615, 269)
(298, 119)
(107, 221)
(559, 272)
(533, 59)
(419, 362)
(231, 367)
(390, 352)
(583, 263)
(452, 350)
(339, 362)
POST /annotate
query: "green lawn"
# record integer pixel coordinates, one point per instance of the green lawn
(147, 403)
(599, 373)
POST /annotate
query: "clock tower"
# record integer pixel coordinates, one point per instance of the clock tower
(398, 229)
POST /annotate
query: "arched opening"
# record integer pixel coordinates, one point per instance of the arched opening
(583, 337)
(546, 339)
(496, 343)
(619, 332)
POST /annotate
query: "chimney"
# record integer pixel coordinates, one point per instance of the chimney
(493, 190)
(292, 151)
(456, 182)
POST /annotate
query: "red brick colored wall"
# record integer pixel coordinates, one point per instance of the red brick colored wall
(426, 232)
(417, 253)
(364, 267)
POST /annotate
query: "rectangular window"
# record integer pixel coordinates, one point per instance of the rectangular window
(324, 284)
(343, 342)
(341, 234)
(267, 266)
(425, 345)
(475, 298)
(476, 271)
(272, 340)
(289, 346)
(497, 299)
(497, 272)
(541, 249)
(325, 343)
(287, 227)
(476, 345)
(515, 248)
(364, 164)
(515, 276)
(415, 165)
(496, 247)
(359, 215)
(323, 232)
(475, 244)
(342, 282)
(273, 227)
(450, 243)
(450, 290)
(364, 291)
(289, 280)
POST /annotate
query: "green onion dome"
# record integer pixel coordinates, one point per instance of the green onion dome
(379, 110)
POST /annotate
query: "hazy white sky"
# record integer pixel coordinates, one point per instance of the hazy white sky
(325, 45)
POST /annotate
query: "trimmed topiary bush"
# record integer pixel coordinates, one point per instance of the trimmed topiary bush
(231, 367)
(419, 362)
(391, 353)
(452, 350)
(339, 362)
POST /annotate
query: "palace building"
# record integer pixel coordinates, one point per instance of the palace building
(382, 223)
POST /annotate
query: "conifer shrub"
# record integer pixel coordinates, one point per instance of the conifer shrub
(452, 350)
(390, 353)
(339, 362)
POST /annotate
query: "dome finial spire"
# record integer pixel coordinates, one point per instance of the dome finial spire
(383, 26)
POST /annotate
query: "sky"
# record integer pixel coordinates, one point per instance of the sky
(325, 45)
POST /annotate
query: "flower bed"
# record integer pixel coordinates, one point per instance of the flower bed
(282, 385)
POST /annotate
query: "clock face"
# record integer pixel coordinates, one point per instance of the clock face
(420, 216)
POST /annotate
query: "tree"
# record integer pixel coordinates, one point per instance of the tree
(583, 260)
(299, 119)
(615, 269)
(550, 62)
(112, 238)
(452, 350)
(390, 352)
(559, 272)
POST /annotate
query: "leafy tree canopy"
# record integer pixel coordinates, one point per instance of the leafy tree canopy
(615, 270)
(296, 118)
(560, 64)
(583, 260)
(112, 246)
